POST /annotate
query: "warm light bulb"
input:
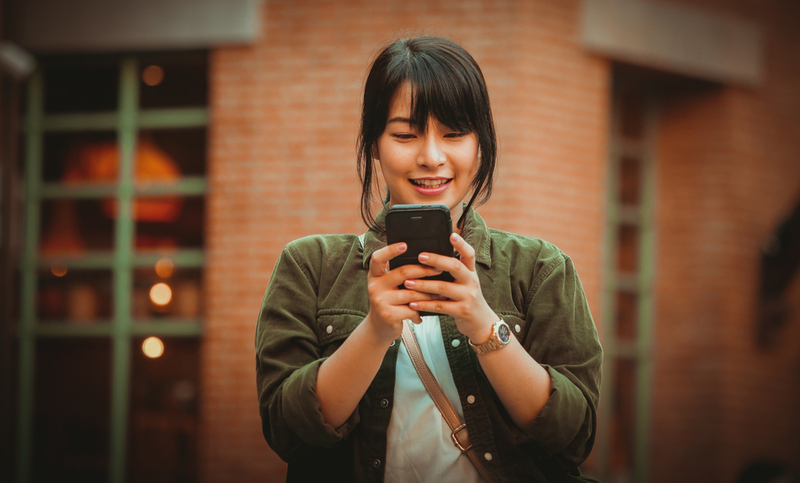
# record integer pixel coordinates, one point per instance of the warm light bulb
(165, 267)
(58, 269)
(152, 75)
(153, 347)
(161, 294)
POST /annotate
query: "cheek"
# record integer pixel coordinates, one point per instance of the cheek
(469, 166)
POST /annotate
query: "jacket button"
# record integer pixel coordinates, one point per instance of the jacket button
(377, 463)
(329, 329)
(517, 328)
(471, 399)
(455, 343)
(488, 456)
(384, 403)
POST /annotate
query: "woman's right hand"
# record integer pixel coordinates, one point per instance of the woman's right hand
(388, 304)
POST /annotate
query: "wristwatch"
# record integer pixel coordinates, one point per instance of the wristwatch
(501, 336)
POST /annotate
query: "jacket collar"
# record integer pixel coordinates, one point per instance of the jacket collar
(475, 232)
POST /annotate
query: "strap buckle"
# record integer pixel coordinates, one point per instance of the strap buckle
(455, 438)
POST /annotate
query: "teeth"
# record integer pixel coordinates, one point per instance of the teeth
(430, 183)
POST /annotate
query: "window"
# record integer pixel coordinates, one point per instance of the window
(111, 273)
(623, 438)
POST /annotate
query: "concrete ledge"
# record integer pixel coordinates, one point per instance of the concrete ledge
(675, 39)
(114, 25)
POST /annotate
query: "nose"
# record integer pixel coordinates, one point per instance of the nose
(431, 155)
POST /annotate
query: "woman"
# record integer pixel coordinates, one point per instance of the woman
(338, 396)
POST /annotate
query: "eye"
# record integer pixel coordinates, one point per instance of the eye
(456, 134)
(403, 136)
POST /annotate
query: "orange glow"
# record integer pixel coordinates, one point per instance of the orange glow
(152, 75)
(99, 163)
(165, 267)
(58, 269)
(153, 347)
(161, 294)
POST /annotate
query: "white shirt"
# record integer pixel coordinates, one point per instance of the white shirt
(419, 447)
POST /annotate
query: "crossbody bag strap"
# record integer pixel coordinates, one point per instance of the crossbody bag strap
(458, 429)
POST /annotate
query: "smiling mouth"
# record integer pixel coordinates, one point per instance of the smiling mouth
(431, 183)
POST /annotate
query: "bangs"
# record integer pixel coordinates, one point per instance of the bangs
(439, 89)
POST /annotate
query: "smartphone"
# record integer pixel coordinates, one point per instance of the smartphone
(424, 228)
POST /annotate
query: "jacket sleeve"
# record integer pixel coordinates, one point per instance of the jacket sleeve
(562, 337)
(288, 356)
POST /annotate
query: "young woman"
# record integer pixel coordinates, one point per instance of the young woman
(338, 395)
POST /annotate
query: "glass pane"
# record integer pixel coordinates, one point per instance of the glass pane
(81, 85)
(72, 410)
(84, 157)
(626, 310)
(176, 81)
(166, 154)
(630, 181)
(168, 222)
(627, 249)
(165, 384)
(72, 227)
(632, 112)
(623, 419)
(74, 295)
(167, 291)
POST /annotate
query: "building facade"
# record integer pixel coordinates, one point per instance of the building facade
(657, 143)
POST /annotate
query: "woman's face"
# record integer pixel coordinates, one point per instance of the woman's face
(435, 166)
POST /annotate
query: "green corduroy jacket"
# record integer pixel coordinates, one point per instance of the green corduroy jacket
(317, 296)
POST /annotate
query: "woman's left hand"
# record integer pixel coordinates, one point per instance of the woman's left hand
(465, 303)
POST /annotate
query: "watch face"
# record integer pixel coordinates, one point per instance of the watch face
(503, 333)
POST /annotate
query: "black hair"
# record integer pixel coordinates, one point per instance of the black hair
(446, 83)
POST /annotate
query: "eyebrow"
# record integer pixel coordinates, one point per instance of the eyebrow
(399, 119)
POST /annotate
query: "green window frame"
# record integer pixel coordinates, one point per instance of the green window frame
(627, 331)
(126, 121)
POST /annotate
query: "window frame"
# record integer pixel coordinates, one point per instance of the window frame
(126, 121)
(637, 350)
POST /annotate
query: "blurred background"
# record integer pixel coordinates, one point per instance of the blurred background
(156, 156)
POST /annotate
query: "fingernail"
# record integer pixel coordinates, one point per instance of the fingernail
(456, 237)
(402, 247)
(412, 305)
(423, 257)
(410, 283)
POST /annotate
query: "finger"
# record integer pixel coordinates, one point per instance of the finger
(465, 250)
(378, 264)
(436, 306)
(446, 264)
(439, 289)
(415, 270)
(405, 297)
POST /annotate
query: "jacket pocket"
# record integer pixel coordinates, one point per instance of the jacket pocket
(334, 326)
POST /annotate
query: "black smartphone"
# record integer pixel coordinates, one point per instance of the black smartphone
(424, 228)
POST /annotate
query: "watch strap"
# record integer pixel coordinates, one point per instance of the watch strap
(494, 341)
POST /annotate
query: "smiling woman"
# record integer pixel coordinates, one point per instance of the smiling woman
(434, 165)
(342, 398)
(418, 93)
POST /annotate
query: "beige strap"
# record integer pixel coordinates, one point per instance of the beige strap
(459, 432)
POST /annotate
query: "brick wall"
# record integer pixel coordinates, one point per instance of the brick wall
(282, 163)
(728, 171)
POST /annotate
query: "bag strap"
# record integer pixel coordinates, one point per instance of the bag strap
(458, 429)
